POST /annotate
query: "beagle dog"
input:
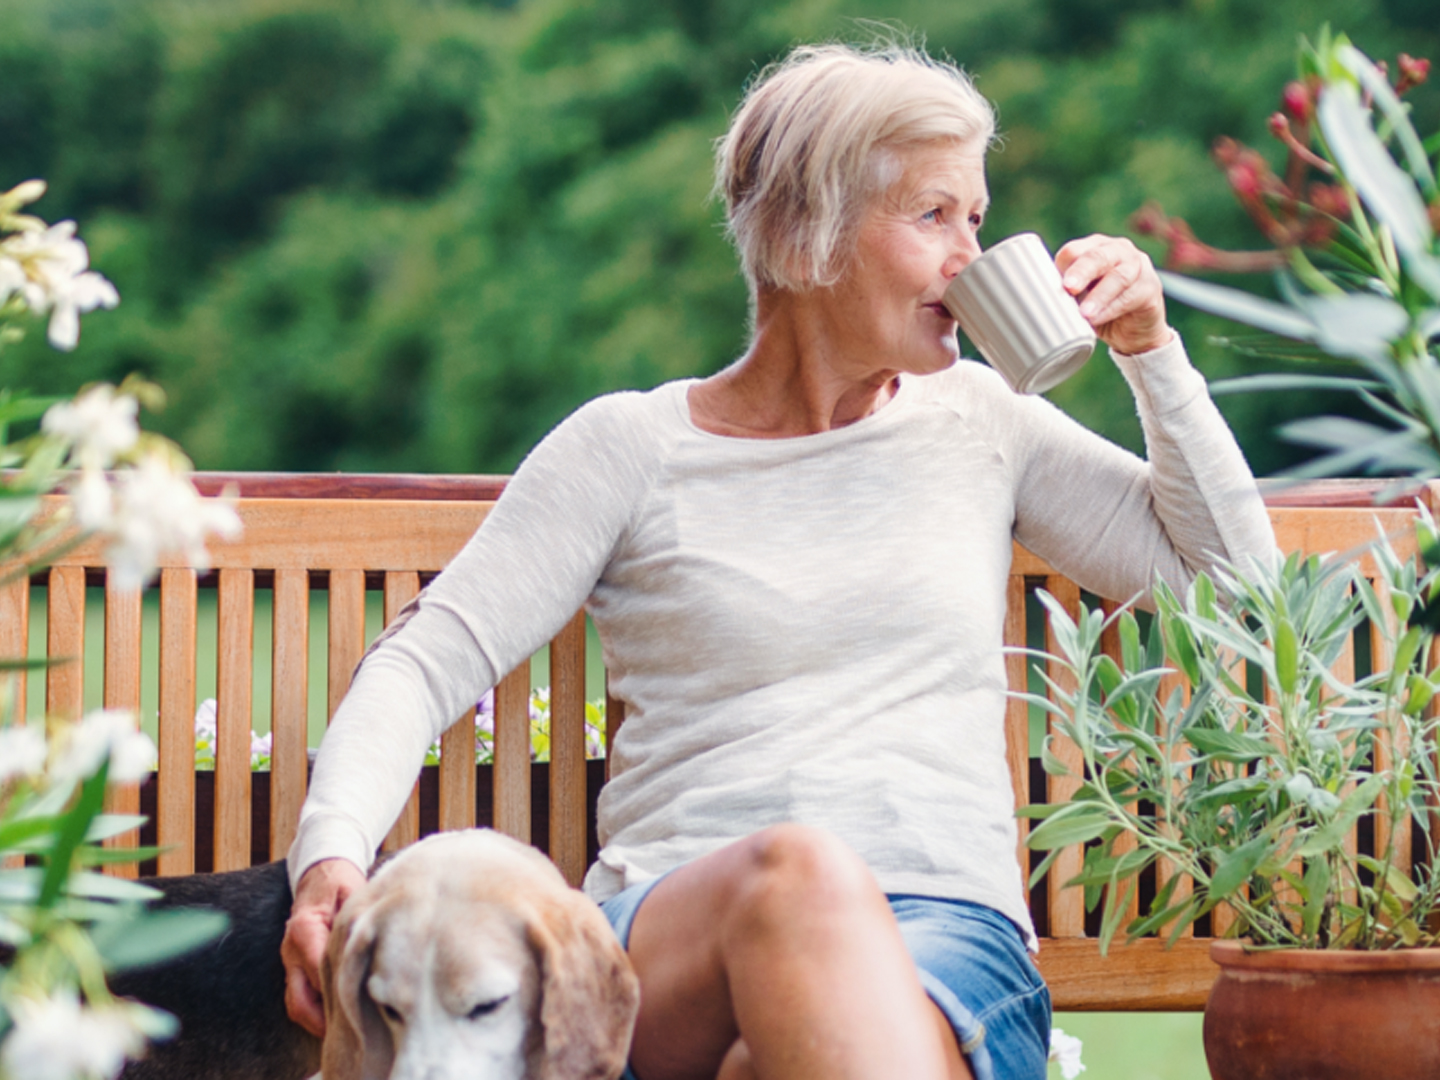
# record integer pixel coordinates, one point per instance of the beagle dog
(467, 955)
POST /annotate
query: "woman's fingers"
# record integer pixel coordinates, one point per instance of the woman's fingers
(1119, 292)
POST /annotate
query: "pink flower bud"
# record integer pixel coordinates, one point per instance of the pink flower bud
(1244, 179)
(1413, 72)
(1298, 102)
(1279, 125)
(1149, 220)
(1226, 151)
(1330, 199)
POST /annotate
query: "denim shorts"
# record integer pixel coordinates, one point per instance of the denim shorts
(973, 964)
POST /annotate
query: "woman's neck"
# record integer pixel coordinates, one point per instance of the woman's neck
(797, 378)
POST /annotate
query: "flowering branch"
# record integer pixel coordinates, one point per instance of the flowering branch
(45, 269)
(1293, 213)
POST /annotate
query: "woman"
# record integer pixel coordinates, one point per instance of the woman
(798, 569)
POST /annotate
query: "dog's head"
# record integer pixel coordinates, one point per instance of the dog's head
(467, 955)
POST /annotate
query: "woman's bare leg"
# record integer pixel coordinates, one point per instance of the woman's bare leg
(785, 941)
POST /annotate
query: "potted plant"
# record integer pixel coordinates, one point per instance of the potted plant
(1252, 787)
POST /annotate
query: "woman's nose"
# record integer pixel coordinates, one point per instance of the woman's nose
(965, 250)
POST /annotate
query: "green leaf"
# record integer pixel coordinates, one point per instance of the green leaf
(104, 887)
(1234, 868)
(71, 835)
(1130, 649)
(1061, 830)
(1116, 904)
(1250, 384)
(107, 825)
(1286, 655)
(1038, 874)
(1396, 112)
(98, 856)
(1317, 887)
(156, 936)
(1238, 306)
(1228, 745)
(1333, 835)
(1388, 192)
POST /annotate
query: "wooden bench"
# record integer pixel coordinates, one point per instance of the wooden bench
(346, 536)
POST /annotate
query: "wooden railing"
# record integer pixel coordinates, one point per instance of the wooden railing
(349, 536)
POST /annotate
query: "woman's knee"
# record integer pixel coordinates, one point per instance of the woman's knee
(798, 873)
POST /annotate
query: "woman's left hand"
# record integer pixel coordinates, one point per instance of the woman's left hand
(1118, 289)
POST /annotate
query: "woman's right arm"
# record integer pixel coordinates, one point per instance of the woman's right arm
(523, 574)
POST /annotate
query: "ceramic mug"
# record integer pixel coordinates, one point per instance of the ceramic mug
(1011, 304)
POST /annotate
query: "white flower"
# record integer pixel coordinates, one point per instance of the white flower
(205, 720)
(58, 1039)
(106, 734)
(58, 279)
(99, 425)
(260, 748)
(1065, 1050)
(92, 501)
(22, 751)
(12, 277)
(160, 511)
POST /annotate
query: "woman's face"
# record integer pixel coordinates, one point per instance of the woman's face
(912, 241)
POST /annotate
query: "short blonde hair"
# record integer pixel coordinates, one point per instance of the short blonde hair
(812, 145)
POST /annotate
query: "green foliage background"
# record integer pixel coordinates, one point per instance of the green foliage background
(400, 235)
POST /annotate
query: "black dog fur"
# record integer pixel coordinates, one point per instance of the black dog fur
(229, 996)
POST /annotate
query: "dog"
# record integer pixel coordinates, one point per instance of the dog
(467, 955)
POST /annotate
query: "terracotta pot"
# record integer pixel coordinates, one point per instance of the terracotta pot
(1312, 1014)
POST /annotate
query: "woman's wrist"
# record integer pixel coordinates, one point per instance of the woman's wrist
(1166, 336)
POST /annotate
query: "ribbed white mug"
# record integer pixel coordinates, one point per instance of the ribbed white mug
(1011, 304)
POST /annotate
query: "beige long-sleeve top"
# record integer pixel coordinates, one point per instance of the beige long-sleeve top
(803, 630)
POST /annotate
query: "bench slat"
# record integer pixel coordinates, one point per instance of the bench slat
(568, 804)
(123, 623)
(400, 588)
(347, 631)
(1067, 906)
(233, 674)
(65, 638)
(336, 534)
(1143, 977)
(175, 813)
(15, 641)
(457, 774)
(1380, 659)
(511, 808)
(289, 705)
(1017, 712)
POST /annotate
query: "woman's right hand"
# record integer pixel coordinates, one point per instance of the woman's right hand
(322, 890)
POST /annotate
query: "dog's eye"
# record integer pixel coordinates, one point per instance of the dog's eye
(485, 1008)
(392, 1014)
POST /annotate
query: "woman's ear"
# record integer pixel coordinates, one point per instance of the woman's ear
(357, 1041)
(589, 994)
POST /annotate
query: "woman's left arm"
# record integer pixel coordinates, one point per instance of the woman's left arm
(1104, 517)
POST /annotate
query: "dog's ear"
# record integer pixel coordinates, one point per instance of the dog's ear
(357, 1041)
(589, 994)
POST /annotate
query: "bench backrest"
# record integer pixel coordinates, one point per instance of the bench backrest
(352, 536)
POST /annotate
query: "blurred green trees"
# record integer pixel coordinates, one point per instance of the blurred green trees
(407, 235)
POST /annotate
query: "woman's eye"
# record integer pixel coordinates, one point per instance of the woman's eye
(931, 215)
(976, 220)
